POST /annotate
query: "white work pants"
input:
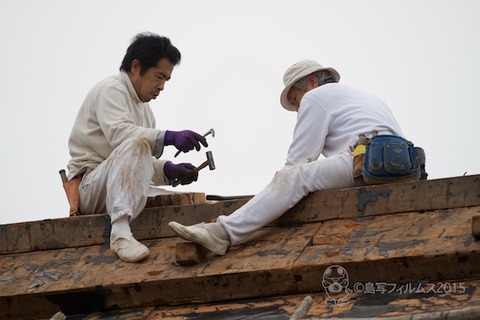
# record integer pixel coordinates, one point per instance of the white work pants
(120, 184)
(288, 186)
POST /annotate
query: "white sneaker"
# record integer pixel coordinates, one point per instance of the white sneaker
(129, 249)
(201, 234)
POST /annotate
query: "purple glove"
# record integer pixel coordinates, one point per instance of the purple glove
(185, 140)
(183, 171)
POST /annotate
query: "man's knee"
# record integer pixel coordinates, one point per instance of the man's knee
(286, 175)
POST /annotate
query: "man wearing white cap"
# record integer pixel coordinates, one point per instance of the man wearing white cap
(331, 116)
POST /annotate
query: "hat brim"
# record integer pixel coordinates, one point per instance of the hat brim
(283, 96)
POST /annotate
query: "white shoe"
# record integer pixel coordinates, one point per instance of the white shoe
(201, 234)
(129, 249)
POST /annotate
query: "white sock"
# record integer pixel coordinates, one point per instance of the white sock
(120, 228)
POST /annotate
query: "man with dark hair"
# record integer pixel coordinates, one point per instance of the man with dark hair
(331, 117)
(115, 148)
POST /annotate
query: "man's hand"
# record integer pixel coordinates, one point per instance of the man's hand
(185, 140)
(181, 171)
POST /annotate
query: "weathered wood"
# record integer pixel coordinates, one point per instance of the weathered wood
(397, 248)
(410, 235)
(469, 313)
(89, 230)
(476, 226)
(188, 198)
(189, 253)
(159, 201)
(425, 195)
(318, 206)
(79, 280)
(89, 279)
(54, 233)
(268, 307)
(178, 198)
(281, 306)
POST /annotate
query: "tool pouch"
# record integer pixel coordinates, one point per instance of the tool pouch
(387, 158)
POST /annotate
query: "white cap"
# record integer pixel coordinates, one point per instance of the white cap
(298, 71)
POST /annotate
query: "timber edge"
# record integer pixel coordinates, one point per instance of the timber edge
(319, 206)
(417, 232)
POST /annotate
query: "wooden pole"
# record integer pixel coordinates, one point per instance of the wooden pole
(302, 309)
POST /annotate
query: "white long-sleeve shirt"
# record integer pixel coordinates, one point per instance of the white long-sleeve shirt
(111, 113)
(331, 117)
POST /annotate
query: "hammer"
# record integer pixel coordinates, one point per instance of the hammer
(211, 131)
(209, 162)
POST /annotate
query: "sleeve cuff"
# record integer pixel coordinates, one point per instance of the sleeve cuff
(159, 144)
(159, 178)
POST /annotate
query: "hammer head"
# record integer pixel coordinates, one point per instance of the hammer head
(211, 131)
(211, 163)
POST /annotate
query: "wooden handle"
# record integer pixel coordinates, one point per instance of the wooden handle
(194, 171)
(63, 176)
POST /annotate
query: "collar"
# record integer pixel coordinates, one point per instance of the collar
(131, 89)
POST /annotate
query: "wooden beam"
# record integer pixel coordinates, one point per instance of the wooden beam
(401, 248)
(426, 195)
(476, 226)
(383, 305)
(83, 280)
(316, 207)
(177, 198)
(433, 247)
(86, 230)
(189, 253)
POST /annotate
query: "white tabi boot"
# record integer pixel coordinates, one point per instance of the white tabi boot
(210, 235)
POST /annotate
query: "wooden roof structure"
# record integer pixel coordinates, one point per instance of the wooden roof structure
(406, 249)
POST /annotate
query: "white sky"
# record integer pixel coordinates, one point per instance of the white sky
(421, 57)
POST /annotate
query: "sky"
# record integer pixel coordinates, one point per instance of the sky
(420, 57)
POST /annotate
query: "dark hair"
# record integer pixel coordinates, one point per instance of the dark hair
(149, 48)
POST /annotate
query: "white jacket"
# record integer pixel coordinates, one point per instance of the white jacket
(330, 119)
(111, 113)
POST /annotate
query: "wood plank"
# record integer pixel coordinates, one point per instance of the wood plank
(86, 230)
(86, 279)
(188, 198)
(316, 207)
(282, 306)
(398, 248)
(476, 226)
(55, 233)
(189, 253)
(176, 198)
(448, 193)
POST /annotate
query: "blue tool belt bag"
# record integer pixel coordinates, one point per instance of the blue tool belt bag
(390, 159)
